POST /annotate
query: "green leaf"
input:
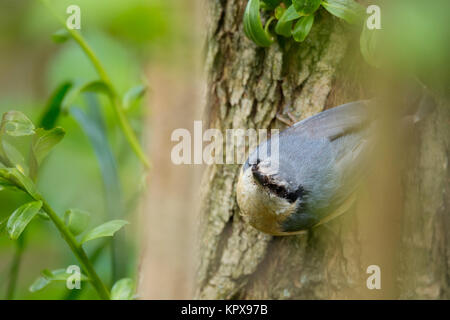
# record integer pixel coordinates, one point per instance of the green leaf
(93, 125)
(302, 28)
(92, 122)
(284, 25)
(368, 45)
(14, 156)
(54, 106)
(48, 276)
(20, 218)
(97, 86)
(77, 220)
(19, 180)
(61, 35)
(271, 4)
(41, 214)
(39, 284)
(5, 184)
(253, 27)
(45, 140)
(279, 11)
(105, 230)
(349, 10)
(3, 226)
(306, 7)
(133, 96)
(16, 124)
(123, 290)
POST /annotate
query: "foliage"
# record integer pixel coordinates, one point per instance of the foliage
(13, 176)
(25, 171)
(295, 19)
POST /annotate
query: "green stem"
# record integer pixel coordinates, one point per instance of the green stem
(128, 132)
(78, 251)
(115, 99)
(74, 294)
(15, 265)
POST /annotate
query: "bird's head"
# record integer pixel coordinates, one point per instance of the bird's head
(267, 201)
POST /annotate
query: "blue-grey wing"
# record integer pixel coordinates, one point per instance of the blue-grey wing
(335, 122)
(329, 152)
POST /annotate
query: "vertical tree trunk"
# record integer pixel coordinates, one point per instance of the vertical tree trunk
(424, 269)
(247, 87)
(168, 222)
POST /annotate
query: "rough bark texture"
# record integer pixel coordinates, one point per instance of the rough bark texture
(247, 87)
(425, 245)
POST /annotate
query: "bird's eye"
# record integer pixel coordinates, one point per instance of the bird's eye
(276, 188)
(282, 192)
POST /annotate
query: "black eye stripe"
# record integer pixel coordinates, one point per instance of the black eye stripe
(275, 188)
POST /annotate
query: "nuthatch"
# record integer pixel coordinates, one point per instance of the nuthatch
(314, 175)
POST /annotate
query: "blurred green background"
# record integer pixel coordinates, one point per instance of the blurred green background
(125, 35)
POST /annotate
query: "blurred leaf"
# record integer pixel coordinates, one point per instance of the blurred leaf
(48, 276)
(60, 36)
(133, 96)
(145, 23)
(53, 108)
(16, 124)
(284, 25)
(97, 86)
(47, 273)
(302, 28)
(368, 45)
(3, 226)
(105, 230)
(14, 156)
(20, 218)
(253, 27)
(123, 290)
(94, 127)
(348, 10)
(279, 11)
(60, 275)
(19, 180)
(5, 184)
(45, 140)
(3, 158)
(306, 7)
(41, 214)
(39, 284)
(77, 220)
(271, 4)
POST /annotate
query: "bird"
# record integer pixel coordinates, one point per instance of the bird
(309, 173)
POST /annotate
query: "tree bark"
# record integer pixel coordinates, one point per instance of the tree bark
(247, 87)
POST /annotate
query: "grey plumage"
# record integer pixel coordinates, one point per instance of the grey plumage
(320, 164)
(321, 161)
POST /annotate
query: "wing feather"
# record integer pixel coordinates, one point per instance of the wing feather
(336, 122)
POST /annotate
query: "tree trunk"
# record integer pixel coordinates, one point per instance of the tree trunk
(247, 87)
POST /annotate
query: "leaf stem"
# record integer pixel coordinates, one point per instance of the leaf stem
(115, 99)
(15, 266)
(77, 250)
